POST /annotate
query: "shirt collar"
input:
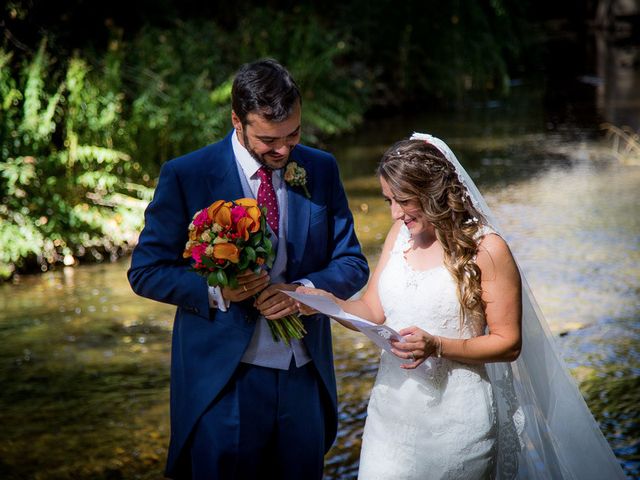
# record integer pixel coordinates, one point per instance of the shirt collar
(249, 165)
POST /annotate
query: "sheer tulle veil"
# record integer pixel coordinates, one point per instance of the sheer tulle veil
(545, 427)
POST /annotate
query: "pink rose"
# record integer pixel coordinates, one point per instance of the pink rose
(202, 219)
(237, 213)
(197, 251)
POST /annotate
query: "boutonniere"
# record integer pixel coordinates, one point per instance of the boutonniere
(296, 176)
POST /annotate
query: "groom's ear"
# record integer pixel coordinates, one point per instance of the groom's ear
(235, 120)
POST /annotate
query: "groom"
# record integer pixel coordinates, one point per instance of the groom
(242, 405)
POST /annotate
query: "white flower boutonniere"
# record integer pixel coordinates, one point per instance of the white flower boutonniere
(296, 176)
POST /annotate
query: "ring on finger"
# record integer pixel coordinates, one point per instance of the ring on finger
(244, 287)
(412, 357)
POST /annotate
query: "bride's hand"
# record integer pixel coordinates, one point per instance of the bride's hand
(418, 345)
(306, 310)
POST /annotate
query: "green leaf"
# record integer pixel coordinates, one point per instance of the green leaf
(222, 93)
(92, 154)
(207, 262)
(212, 279)
(268, 246)
(257, 239)
(251, 254)
(270, 259)
(244, 263)
(222, 278)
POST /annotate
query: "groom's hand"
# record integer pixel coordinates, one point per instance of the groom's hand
(273, 304)
(249, 284)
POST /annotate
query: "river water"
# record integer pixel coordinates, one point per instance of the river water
(84, 363)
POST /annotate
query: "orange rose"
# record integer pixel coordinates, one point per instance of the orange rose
(223, 216)
(251, 206)
(247, 202)
(244, 225)
(213, 209)
(188, 248)
(255, 214)
(226, 251)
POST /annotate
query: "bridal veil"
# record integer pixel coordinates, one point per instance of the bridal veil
(546, 429)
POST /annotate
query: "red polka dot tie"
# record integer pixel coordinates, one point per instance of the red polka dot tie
(267, 198)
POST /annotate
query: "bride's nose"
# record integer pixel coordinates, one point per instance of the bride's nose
(396, 211)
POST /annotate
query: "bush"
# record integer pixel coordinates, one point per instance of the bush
(179, 79)
(80, 143)
(65, 187)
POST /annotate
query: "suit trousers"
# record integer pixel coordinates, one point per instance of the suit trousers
(265, 423)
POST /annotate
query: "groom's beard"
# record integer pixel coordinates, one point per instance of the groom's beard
(273, 164)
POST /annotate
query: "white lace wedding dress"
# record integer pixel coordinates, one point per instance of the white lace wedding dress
(440, 422)
(437, 421)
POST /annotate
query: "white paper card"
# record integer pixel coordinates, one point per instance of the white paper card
(381, 335)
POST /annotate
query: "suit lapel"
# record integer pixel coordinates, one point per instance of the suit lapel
(223, 179)
(298, 212)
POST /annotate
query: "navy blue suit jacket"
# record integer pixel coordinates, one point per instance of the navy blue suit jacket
(208, 344)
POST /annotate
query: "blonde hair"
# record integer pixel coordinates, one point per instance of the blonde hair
(417, 170)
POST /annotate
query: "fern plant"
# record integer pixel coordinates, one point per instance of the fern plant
(65, 186)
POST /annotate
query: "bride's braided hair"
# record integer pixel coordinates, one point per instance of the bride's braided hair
(416, 170)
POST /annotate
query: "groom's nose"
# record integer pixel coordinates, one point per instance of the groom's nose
(283, 149)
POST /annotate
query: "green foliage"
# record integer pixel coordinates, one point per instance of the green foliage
(334, 91)
(61, 175)
(423, 50)
(179, 90)
(78, 138)
(179, 78)
(82, 136)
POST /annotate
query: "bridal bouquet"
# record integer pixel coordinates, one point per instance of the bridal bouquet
(228, 238)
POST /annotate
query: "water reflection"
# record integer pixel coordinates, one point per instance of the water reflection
(84, 370)
(84, 364)
(604, 357)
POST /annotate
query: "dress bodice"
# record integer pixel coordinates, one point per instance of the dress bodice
(427, 297)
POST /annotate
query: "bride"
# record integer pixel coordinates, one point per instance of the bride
(457, 399)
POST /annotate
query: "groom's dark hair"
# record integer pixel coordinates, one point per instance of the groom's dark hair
(264, 87)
